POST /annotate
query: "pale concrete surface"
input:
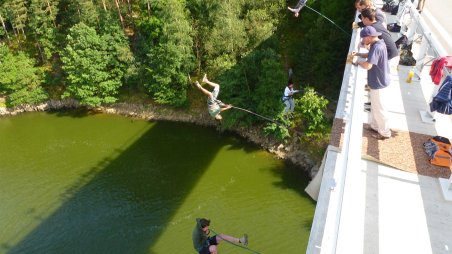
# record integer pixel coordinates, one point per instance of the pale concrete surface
(391, 211)
(437, 15)
(406, 102)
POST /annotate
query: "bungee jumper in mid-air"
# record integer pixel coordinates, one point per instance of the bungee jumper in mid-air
(302, 3)
(298, 7)
(214, 106)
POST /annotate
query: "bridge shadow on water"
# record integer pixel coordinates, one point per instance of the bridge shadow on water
(124, 204)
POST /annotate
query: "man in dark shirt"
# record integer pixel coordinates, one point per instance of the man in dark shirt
(378, 78)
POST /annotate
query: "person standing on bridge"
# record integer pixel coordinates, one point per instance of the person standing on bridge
(368, 4)
(205, 244)
(369, 19)
(378, 77)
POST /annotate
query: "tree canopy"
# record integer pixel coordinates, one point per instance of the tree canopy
(95, 51)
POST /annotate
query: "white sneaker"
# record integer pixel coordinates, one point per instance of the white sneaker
(244, 239)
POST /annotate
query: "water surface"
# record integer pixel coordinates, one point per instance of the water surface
(80, 183)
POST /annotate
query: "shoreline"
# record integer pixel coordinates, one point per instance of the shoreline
(150, 112)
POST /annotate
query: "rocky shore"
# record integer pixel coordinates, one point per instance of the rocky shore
(290, 151)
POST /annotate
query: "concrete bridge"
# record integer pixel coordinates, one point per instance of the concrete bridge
(383, 196)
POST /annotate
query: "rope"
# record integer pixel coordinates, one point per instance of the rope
(251, 112)
(263, 117)
(243, 247)
(328, 20)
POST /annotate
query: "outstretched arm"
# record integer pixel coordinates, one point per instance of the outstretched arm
(225, 107)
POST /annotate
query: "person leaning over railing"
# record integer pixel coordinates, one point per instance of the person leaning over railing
(369, 19)
(361, 5)
(378, 77)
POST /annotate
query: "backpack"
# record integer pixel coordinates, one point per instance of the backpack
(394, 9)
(439, 151)
(389, 6)
(402, 41)
(393, 27)
(406, 58)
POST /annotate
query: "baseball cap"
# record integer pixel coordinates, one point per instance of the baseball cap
(369, 31)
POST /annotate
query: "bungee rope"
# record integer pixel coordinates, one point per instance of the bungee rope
(243, 247)
(251, 112)
(328, 20)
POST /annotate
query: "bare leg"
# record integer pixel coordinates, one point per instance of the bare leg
(213, 249)
(298, 7)
(229, 238)
(203, 90)
(205, 80)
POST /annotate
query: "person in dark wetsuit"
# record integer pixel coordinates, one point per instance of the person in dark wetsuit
(205, 244)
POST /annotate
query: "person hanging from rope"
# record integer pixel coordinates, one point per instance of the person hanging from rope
(214, 106)
(205, 244)
(288, 98)
(298, 7)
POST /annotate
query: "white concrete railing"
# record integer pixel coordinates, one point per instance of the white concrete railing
(325, 227)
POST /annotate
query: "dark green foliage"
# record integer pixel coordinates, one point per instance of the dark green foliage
(20, 81)
(171, 58)
(16, 13)
(280, 129)
(310, 114)
(95, 64)
(42, 26)
(322, 47)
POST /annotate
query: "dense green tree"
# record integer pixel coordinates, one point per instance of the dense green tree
(256, 83)
(171, 57)
(16, 12)
(20, 80)
(73, 12)
(3, 31)
(310, 114)
(95, 64)
(227, 39)
(42, 26)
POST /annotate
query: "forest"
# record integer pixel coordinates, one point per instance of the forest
(104, 51)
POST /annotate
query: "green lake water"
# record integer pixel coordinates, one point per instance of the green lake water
(78, 183)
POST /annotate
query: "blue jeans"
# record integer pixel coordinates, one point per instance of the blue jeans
(290, 105)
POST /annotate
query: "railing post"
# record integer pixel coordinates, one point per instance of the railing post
(421, 56)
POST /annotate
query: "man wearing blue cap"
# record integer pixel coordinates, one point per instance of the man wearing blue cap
(378, 77)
